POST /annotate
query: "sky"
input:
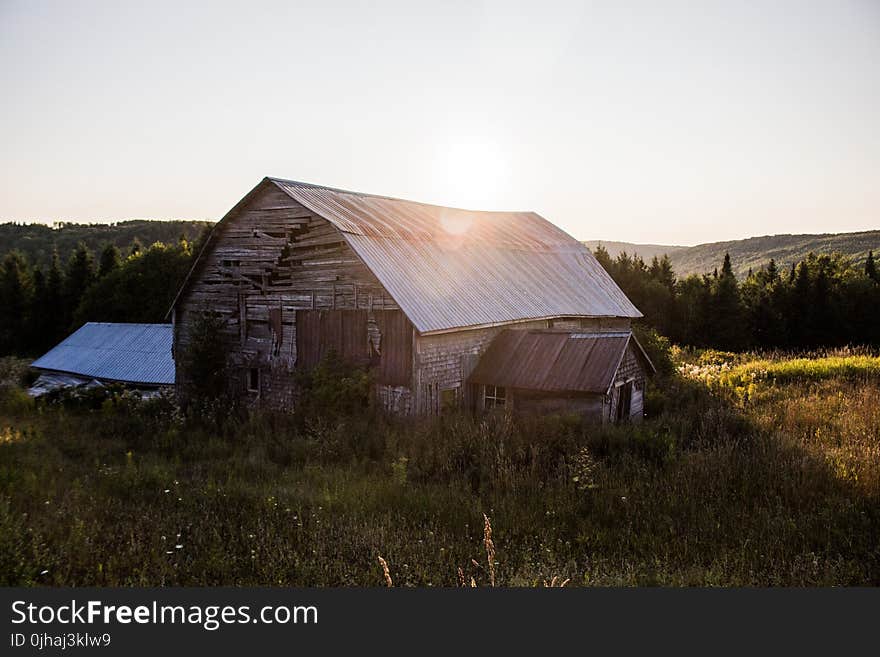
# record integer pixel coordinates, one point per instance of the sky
(650, 122)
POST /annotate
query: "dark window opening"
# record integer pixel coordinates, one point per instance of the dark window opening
(448, 399)
(231, 263)
(624, 401)
(494, 396)
(253, 380)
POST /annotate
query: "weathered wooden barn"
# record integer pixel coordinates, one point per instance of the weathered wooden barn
(449, 307)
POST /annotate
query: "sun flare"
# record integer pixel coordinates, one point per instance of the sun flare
(472, 175)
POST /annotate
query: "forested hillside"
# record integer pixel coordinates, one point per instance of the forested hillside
(822, 301)
(751, 253)
(36, 241)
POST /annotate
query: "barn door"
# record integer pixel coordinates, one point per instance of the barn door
(624, 403)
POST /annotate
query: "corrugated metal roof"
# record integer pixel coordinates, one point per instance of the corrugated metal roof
(131, 353)
(449, 268)
(553, 361)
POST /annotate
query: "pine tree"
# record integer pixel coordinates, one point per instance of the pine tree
(603, 257)
(871, 267)
(53, 316)
(726, 267)
(38, 313)
(110, 260)
(667, 274)
(727, 328)
(15, 299)
(772, 271)
(79, 276)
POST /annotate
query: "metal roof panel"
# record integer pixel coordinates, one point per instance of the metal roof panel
(552, 361)
(130, 353)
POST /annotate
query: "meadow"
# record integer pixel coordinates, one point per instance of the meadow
(751, 470)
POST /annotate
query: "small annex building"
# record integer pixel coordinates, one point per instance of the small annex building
(449, 307)
(100, 353)
(553, 371)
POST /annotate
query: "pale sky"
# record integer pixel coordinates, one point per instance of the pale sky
(662, 122)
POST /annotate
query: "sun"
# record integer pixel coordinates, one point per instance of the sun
(471, 174)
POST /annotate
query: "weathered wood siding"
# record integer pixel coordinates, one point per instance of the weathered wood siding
(631, 369)
(270, 259)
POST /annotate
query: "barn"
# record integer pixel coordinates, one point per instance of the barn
(449, 307)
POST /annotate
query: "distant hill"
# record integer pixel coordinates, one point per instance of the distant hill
(36, 241)
(752, 252)
(647, 251)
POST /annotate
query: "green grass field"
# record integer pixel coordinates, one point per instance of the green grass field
(780, 486)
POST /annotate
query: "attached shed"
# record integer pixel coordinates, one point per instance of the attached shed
(600, 376)
(418, 292)
(137, 355)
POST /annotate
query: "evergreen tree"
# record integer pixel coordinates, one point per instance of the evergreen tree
(727, 324)
(772, 271)
(110, 260)
(15, 299)
(53, 315)
(78, 278)
(603, 257)
(667, 274)
(38, 332)
(871, 267)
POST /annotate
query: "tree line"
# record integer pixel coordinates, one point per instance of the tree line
(38, 241)
(42, 304)
(821, 301)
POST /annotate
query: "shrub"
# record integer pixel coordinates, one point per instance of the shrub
(15, 401)
(334, 388)
(203, 370)
(657, 347)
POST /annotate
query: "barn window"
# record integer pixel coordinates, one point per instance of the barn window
(231, 263)
(448, 399)
(253, 380)
(494, 396)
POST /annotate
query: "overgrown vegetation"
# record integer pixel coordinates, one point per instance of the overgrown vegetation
(781, 489)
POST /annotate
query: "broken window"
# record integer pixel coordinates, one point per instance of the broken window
(277, 329)
(253, 380)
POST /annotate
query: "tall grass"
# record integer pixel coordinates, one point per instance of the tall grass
(784, 490)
